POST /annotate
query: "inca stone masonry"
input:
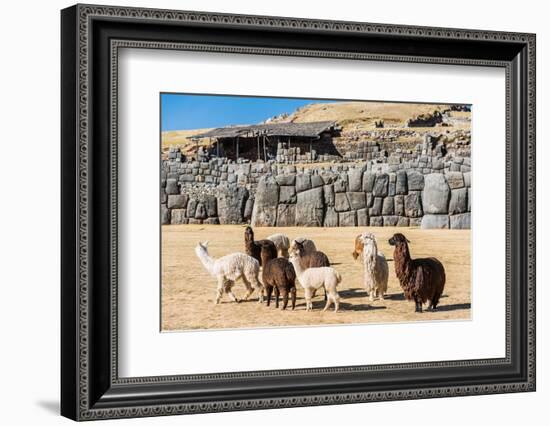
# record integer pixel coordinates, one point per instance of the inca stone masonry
(429, 191)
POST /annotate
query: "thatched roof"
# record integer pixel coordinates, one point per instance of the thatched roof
(310, 130)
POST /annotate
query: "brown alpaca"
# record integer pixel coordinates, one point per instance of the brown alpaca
(261, 250)
(279, 274)
(422, 280)
(358, 249)
(313, 259)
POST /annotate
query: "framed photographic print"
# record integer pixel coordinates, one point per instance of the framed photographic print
(263, 212)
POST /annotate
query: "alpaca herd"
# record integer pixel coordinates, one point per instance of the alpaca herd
(282, 262)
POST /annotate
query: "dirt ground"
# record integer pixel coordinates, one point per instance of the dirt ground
(188, 291)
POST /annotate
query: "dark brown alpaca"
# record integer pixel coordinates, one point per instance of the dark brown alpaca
(420, 279)
(279, 274)
(261, 250)
(314, 259)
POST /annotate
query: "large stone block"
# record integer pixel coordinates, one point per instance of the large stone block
(376, 209)
(286, 215)
(310, 206)
(355, 177)
(415, 180)
(191, 207)
(401, 187)
(316, 181)
(286, 180)
(231, 201)
(460, 221)
(341, 203)
(329, 195)
(303, 182)
(387, 206)
(331, 217)
(357, 200)
(200, 213)
(435, 221)
(455, 180)
(381, 185)
(248, 209)
(376, 221)
(287, 195)
(211, 205)
(347, 218)
(265, 202)
(178, 201)
(435, 197)
(390, 220)
(362, 217)
(413, 204)
(402, 221)
(165, 215)
(172, 187)
(178, 217)
(368, 181)
(341, 184)
(415, 221)
(459, 201)
(399, 205)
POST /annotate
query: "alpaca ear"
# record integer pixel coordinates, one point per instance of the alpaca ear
(206, 243)
(407, 240)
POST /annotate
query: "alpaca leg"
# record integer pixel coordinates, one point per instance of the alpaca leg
(336, 299)
(269, 290)
(249, 288)
(229, 291)
(329, 302)
(253, 279)
(293, 297)
(418, 306)
(308, 294)
(219, 289)
(276, 296)
(284, 294)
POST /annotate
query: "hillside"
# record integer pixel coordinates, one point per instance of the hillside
(354, 118)
(360, 115)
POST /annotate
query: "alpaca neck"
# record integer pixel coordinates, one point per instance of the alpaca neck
(297, 266)
(206, 260)
(402, 259)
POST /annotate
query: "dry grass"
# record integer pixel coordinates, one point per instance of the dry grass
(182, 138)
(188, 290)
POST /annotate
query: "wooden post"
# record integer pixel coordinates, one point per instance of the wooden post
(258, 140)
(310, 151)
(237, 157)
(265, 154)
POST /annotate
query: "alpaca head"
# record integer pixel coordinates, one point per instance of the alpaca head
(202, 248)
(248, 234)
(398, 240)
(297, 248)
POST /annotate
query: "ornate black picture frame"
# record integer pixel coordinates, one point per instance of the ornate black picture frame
(91, 36)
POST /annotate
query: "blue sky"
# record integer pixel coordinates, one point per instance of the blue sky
(184, 112)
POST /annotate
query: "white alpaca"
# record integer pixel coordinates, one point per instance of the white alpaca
(309, 246)
(228, 269)
(281, 242)
(376, 267)
(313, 279)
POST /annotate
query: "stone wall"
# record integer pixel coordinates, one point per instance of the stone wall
(429, 192)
